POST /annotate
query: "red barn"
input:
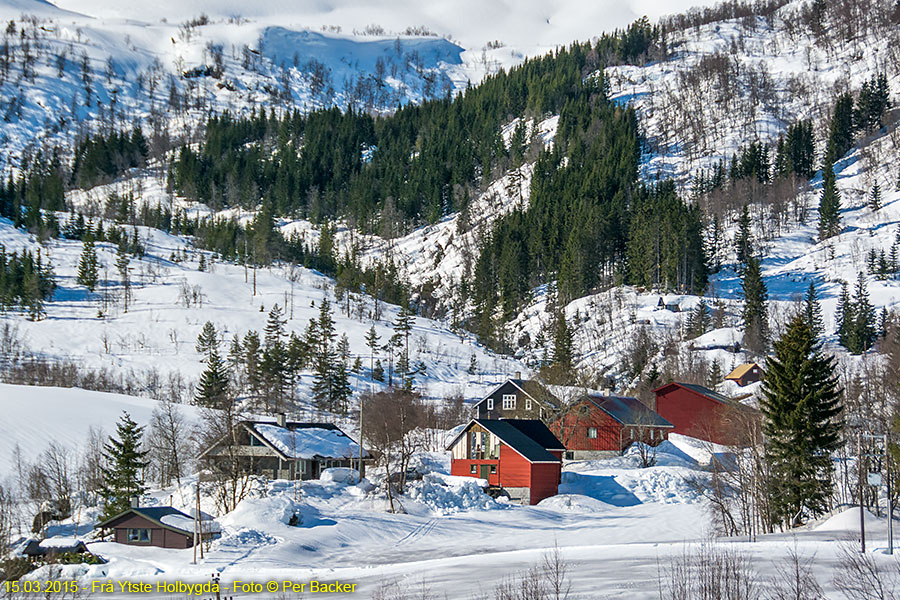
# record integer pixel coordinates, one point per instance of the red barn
(702, 413)
(604, 426)
(520, 456)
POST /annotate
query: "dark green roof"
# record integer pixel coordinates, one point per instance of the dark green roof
(705, 391)
(508, 433)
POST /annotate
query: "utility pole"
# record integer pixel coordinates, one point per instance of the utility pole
(890, 501)
(862, 515)
(197, 521)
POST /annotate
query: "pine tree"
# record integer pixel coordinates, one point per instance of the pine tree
(755, 314)
(253, 360)
(473, 365)
(801, 410)
(864, 331)
(323, 356)
(372, 339)
(714, 377)
(829, 205)
(123, 467)
(212, 391)
(403, 324)
(875, 197)
(207, 339)
(744, 241)
(699, 319)
(274, 360)
(88, 266)
(812, 311)
(563, 345)
(341, 389)
(845, 317)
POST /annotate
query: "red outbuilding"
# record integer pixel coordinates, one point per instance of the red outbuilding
(518, 456)
(702, 413)
(604, 426)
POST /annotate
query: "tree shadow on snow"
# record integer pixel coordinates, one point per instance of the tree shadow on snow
(604, 488)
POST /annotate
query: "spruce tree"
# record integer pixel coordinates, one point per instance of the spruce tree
(403, 325)
(207, 339)
(829, 205)
(744, 241)
(812, 311)
(563, 346)
(88, 266)
(864, 330)
(755, 314)
(801, 410)
(372, 339)
(341, 389)
(274, 360)
(212, 391)
(845, 317)
(875, 197)
(123, 466)
(122, 261)
(323, 356)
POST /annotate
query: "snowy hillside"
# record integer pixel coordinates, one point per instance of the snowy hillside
(155, 340)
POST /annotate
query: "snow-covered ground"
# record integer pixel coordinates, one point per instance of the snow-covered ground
(617, 526)
(159, 331)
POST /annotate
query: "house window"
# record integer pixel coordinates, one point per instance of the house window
(138, 535)
(509, 401)
(592, 433)
(493, 469)
(490, 404)
(254, 441)
(473, 469)
(527, 403)
(652, 434)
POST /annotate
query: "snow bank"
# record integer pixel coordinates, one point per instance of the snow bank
(448, 494)
(574, 503)
(340, 475)
(847, 520)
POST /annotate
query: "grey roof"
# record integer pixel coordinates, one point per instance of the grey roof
(628, 411)
(154, 513)
(509, 434)
(536, 390)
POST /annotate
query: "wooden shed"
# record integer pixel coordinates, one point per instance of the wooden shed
(519, 456)
(161, 526)
(746, 374)
(604, 426)
(702, 413)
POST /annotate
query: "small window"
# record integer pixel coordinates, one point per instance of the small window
(592, 433)
(473, 469)
(527, 403)
(490, 404)
(254, 441)
(509, 401)
(493, 469)
(652, 434)
(138, 535)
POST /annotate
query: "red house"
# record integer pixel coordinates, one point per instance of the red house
(702, 413)
(519, 456)
(604, 426)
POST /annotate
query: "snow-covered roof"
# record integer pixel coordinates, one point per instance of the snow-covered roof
(186, 523)
(309, 442)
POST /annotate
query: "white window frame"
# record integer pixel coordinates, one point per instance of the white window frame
(490, 404)
(509, 402)
(139, 535)
(593, 433)
(527, 403)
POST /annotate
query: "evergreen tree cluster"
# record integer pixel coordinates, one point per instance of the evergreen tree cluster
(101, 158)
(26, 281)
(387, 173)
(856, 318)
(40, 185)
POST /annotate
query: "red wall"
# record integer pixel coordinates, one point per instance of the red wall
(572, 431)
(462, 468)
(513, 470)
(544, 480)
(693, 414)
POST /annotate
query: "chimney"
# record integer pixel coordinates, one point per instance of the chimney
(518, 374)
(135, 502)
(280, 419)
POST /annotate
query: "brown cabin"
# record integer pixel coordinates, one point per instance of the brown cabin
(518, 399)
(161, 526)
(746, 374)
